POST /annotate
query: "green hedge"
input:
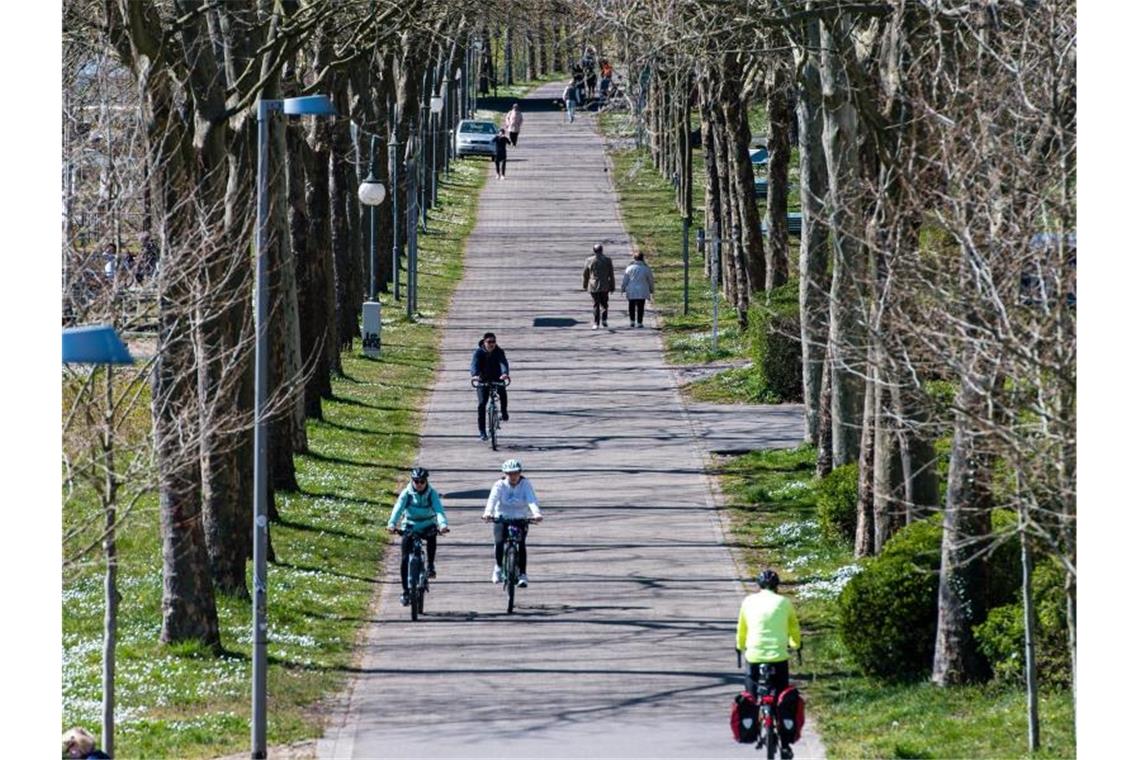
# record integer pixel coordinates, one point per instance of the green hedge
(838, 503)
(1002, 637)
(774, 342)
(888, 612)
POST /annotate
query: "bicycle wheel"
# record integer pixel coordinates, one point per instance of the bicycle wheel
(415, 570)
(493, 425)
(771, 740)
(510, 575)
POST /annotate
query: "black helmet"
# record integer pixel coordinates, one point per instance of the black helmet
(768, 579)
(597, 248)
(419, 473)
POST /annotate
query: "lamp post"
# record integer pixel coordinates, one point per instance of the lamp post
(371, 194)
(309, 105)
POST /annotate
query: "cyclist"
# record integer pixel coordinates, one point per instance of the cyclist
(419, 506)
(765, 629)
(512, 498)
(489, 364)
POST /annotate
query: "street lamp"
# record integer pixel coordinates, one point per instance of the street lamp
(436, 110)
(371, 193)
(308, 105)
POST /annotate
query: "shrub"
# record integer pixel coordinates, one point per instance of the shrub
(838, 499)
(888, 612)
(774, 342)
(1001, 638)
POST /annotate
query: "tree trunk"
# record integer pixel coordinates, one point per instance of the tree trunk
(111, 595)
(840, 125)
(744, 186)
(864, 511)
(813, 237)
(779, 157)
(886, 513)
(966, 520)
(712, 170)
(823, 462)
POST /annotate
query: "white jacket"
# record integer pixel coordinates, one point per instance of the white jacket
(637, 283)
(516, 503)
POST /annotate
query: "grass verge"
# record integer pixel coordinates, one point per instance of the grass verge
(183, 702)
(771, 498)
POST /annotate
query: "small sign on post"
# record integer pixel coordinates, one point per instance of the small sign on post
(371, 331)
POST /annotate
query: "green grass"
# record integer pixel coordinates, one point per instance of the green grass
(181, 701)
(771, 497)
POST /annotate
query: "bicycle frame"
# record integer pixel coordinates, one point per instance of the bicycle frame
(417, 568)
(511, 546)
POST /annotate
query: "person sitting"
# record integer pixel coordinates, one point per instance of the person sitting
(79, 743)
(512, 499)
(419, 507)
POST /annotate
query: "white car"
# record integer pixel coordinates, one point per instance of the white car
(476, 138)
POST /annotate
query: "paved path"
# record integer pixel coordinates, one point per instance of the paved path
(623, 644)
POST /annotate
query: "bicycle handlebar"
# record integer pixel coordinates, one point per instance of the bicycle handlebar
(426, 533)
(501, 519)
(476, 382)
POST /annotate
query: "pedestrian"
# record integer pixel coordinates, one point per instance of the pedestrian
(591, 81)
(489, 365)
(110, 262)
(79, 743)
(570, 98)
(501, 141)
(513, 123)
(637, 284)
(598, 279)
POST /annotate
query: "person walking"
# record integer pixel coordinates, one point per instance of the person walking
(513, 123)
(570, 97)
(501, 141)
(637, 284)
(598, 279)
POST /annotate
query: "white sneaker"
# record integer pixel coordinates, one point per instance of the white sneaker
(523, 582)
(497, 576)
(595, 327)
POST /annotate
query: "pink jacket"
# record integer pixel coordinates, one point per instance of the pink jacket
(514, 120)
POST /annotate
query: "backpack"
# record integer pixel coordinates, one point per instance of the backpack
(790, 712)
(745, 718)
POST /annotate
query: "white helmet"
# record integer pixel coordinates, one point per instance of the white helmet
(511, 465)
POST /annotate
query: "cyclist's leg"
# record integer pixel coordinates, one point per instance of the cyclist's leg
(503, 401)
(481, 394)
(752, 678)
(405, 551)
(500, 539)
(431, 551)
(522, 547)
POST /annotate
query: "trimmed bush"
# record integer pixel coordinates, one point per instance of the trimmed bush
(774, 342)
(837, 504)
(888, 612)
(1002, 637)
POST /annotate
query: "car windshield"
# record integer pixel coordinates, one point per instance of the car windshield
(482, 127)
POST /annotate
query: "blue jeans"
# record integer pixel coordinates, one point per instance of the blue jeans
(570, 110)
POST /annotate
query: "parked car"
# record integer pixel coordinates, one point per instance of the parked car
(759, 156)
(476, 138)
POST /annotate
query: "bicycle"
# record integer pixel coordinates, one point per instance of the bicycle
(510, 567)
(417, 569)
(494, 418)
(765, 696)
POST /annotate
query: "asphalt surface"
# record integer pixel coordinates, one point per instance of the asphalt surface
(623, 644)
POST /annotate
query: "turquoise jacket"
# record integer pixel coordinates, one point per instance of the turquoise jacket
(419, 509)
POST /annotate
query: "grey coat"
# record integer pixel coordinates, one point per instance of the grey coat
(598, 274)
(638, 281)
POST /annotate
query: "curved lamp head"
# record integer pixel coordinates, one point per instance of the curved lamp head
(372, 192)
(309, 105)
(436, 103)
(94, 344)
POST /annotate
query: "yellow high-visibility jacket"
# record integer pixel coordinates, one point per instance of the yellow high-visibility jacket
(766, 627)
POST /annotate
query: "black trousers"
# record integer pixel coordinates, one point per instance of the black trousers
(406, 549)
(601, 306)
(501, 166)
(501, 540)
(514, 138)
(636, 310)
(482, 393)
